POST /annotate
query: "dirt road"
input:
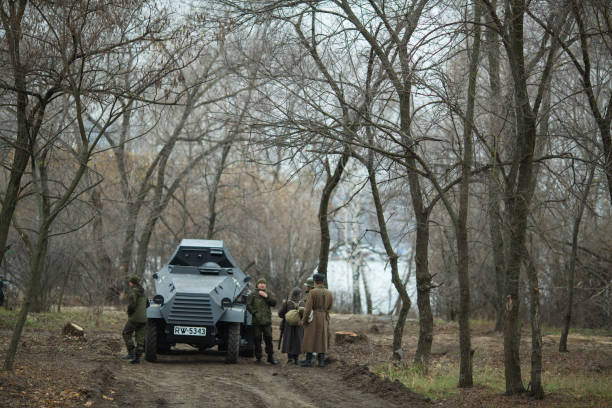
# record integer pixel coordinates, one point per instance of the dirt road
(189, 379)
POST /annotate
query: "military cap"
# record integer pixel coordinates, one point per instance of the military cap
(319, 277)
(135, 279)
(261, 280)
(309, 283)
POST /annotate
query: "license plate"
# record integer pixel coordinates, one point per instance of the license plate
(189, 331)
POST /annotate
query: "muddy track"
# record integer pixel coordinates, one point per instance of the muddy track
(204, 380)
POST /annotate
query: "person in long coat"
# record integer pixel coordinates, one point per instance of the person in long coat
(292, 335)
(319, 302)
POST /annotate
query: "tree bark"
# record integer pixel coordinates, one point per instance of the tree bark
(572, 263)
(212, 195)
(398, 330)
(333, 179)
(423, 280)
(12, 28)
(465, 367)
(536, 390)
(496, 126)
(366, 290)
(356, 288)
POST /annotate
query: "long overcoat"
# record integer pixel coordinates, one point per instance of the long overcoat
(320, 301)
(292, 335)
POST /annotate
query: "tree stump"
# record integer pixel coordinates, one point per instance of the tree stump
(73, 330)
(343, 337)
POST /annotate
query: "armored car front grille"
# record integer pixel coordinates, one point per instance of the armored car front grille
(191, 309)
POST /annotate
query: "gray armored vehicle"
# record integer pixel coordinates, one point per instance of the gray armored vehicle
(200, 301)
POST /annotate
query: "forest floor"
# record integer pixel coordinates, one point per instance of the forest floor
(52, 370)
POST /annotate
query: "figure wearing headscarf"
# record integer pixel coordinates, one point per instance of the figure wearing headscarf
(292, 335)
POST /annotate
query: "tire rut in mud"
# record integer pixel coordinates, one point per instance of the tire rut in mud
(197, 380)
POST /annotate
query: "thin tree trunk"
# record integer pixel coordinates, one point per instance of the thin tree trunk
(331, 182)
(572, 264)
(398, 330)
(536, 389)
(423, 279)
(36, 268)
(496, 126)
(104, 275)
(603, 121)
(212, 196)
(356, 272)
(12, 29)
(63, 288)
(366, 290)
(39, 252)
(465, 368)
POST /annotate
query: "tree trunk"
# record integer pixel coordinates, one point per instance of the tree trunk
(333, 179)
(105, 273)
(368, 295)
(356, 269)
(496, 126)
(398, 330)
(423, 280)
(36, 268)
(212, 195)
(60, 299)
(39, 253)
(536, 389)
(465, 368)
(572, 264)
(603, 121)
(12, 29)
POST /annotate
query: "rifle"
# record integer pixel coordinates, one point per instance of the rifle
(282, 330)
(282, 326)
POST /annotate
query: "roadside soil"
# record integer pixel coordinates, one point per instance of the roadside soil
(52, 370)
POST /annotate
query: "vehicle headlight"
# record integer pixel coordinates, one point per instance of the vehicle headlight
(158, 299)
(226, 303)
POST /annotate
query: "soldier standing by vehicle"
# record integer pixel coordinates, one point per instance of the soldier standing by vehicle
(259, 303)
(319, 303)
(309, 285)
(291, 312)
(137, 320)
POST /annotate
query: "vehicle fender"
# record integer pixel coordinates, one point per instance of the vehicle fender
(154, 312)
(234, 314)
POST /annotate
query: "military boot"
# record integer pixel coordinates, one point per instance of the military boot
(129, 355)
(271, 359)
(321, 358)
(309, 360)
(136, 359)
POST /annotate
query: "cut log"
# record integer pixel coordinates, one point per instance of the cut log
(74, 330)
(343, 337)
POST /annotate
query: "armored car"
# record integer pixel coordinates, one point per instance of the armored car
(199, 300)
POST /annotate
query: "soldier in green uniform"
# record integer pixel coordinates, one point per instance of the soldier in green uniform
(319, 302)
(309, 285)
(137, 320)
(259, 303)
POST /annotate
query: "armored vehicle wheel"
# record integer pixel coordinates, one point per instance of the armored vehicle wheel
(233, 343)
(247, 345)
(151, 341)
